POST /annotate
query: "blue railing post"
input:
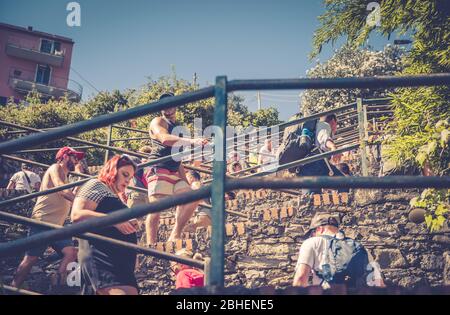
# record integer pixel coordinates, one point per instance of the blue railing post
(362, 137)
(216, 276)
(108, 143)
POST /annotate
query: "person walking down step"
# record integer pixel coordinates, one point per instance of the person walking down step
(52, 208)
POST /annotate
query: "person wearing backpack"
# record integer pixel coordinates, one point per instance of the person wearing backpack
(25, 180)
(332, 258)
(322, 134)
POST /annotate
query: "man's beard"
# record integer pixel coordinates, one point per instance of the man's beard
(171, 117)
(70, 166)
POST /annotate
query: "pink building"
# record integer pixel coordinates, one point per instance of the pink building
(35, 60)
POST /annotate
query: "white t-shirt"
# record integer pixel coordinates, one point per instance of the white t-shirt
(266, 159)
(21, 183)
(313, 253)
(323, 134)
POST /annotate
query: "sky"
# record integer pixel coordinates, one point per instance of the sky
(121, 43)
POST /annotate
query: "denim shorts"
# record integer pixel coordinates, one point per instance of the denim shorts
(38, 251)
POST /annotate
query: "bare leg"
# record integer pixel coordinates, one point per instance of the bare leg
(152, 223)
(182, 216)
(70, 255)
(202, 221)
(23, 270)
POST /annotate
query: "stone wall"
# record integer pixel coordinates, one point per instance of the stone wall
(262, 250)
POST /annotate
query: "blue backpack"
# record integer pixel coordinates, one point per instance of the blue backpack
(346, 262)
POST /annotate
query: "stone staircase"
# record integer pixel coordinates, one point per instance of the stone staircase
(262, 248)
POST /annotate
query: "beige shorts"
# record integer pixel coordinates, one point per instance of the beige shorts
(137, 198)
(165, 183)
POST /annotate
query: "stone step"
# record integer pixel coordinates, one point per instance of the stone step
(326, 199)
(172, 247)
(278, 213)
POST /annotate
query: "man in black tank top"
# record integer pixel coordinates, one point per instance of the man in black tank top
(168, 178)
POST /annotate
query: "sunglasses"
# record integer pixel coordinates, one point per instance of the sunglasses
(126, 159)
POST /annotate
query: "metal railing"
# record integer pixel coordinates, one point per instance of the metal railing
(220, 184)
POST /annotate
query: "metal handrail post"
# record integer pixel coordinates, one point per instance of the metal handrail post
(362, 137)
(216, 275)
(108, 143)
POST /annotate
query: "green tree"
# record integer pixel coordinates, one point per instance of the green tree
(54, 113)
(420, 128)
(32, 112)
(265, 117)
(350, 62)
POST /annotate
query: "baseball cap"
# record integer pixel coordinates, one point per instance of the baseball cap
(69, 151)
(323, 219)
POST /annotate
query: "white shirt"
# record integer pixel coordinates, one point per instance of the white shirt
(267, 160)
(21, 182)
(323, 134)
(312, 253)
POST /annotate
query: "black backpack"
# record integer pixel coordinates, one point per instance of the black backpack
(297, 144)
(347, 262)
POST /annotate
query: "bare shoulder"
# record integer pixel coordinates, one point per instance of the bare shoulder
(158, 121)
(56, 170)
(158, 125)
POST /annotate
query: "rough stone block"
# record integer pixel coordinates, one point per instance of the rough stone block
(335, 197)
(255, 263)
(229, 228)
(390, 258)
(169, 247)
(266, 215)
(264, 249)
(344, 197)
(160, 246)
(189, 245)
(290, 211)
(432, 262)
(446, 274)
(240, 227)
(178, 244)
(326, 199)
(274, 213)
(317, 201)
(442, 239)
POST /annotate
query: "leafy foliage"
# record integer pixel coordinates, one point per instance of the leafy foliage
(436, 202)
(33, 113)
(350, 62)
(419, 131)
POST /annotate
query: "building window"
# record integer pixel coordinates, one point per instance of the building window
(43, 74)
(50, 47)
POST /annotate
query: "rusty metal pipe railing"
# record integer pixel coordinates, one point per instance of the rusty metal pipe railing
(52, 149)
(14, 247)
(95, 237)
(105, 120)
